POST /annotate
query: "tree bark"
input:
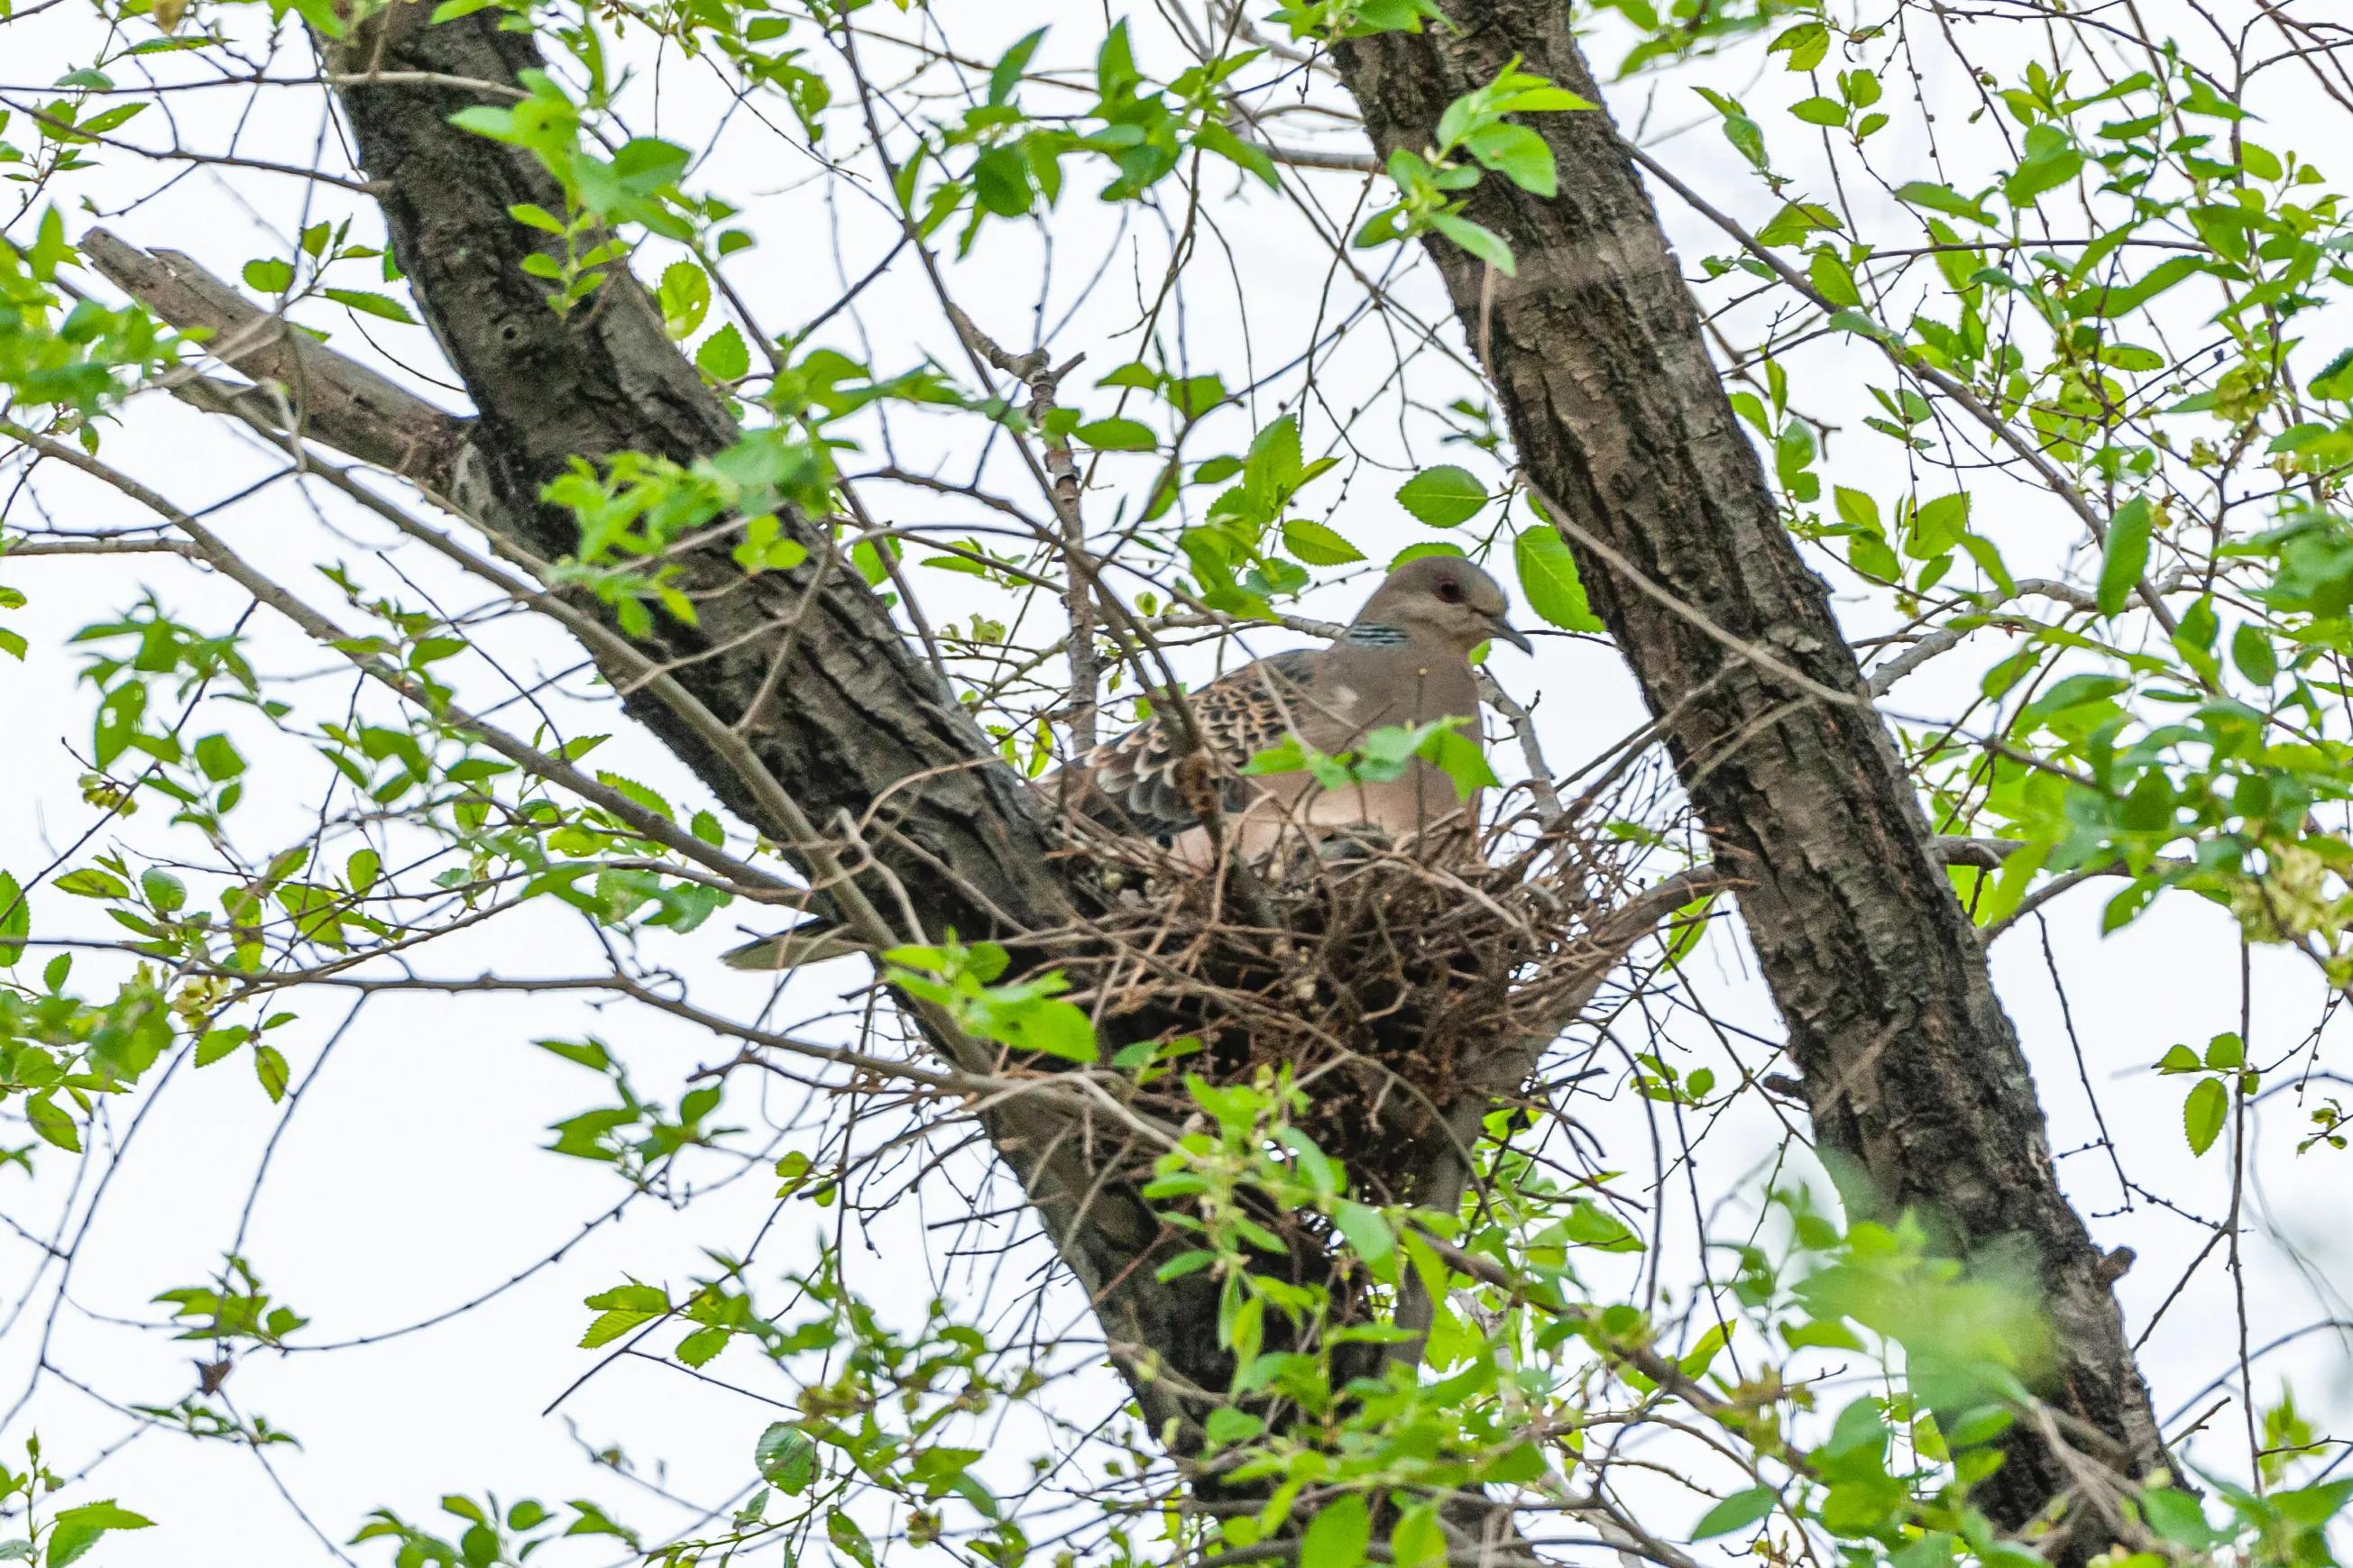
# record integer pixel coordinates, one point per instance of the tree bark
(856, 727)
(1912, 1072)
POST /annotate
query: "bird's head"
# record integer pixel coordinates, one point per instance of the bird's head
(1444, 598)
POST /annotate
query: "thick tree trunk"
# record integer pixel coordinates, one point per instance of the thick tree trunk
(855, 727)
(1914, 1075)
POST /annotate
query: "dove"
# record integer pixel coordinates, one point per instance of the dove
(1404, 661)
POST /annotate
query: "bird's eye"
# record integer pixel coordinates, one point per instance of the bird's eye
(1449, 590)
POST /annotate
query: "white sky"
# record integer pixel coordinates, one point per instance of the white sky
(410, 1181)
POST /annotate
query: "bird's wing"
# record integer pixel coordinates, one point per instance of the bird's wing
(1131, 783)
(1128, 784)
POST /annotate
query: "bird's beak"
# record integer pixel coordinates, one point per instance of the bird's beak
(1512, 635)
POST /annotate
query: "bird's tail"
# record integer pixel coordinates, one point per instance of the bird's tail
(813, 941)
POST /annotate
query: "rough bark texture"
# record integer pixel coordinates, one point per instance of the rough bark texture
(858, 727)
(1914, 1074)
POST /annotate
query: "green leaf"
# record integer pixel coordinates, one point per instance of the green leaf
(2203, 1112)
(219, 1043)
(1694, 1361)
(611, 1324)
(1833, 280)
(219, 759)
(1827, 111)
(1367, 1231)
(1737, 1511)
(2176, 1516)
(269, 276)
(2251, 650)
(1227, 1424)
(1318, 545)
(2127, 554)
(723, 356)
(2180, 1058)
(685, 298)
(1118, 436)
(1337, 1536)
(1806, 45)
(2052, 160)
(163, 890)
(76, 1529)
(1056, 1028)
(270, 1067)
(1418, 1539)
(1457, 756)
(1443, 497)
(53, 1123)
(1248, 155)
(1547, 573)
(368, 304)
(15, 920)
(90, 882)
(1517, 154)
(1006, 77)
(786, 1458)
(848, 1539)
(1942, 199)
(1856, 509)
(1484, 242)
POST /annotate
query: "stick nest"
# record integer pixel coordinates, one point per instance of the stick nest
(1392, 987)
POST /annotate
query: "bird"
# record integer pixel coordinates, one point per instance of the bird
(1404, 661)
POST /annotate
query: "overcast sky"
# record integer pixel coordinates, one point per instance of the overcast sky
(408, 1180)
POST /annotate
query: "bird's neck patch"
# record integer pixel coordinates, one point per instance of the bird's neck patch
(1372, 634)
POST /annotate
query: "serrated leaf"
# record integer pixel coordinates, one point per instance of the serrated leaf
(608, 1326)
(723, 356)
(1443, 497)
(76, 1529)
(1006, 77)
(2203, 1114)
(786, 1458)
(90, 882)
(219, 1043)
(270, 1067)
(370, 304)
(15, 920)
(685, 298)
(1318, 545)
(1547, 573)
